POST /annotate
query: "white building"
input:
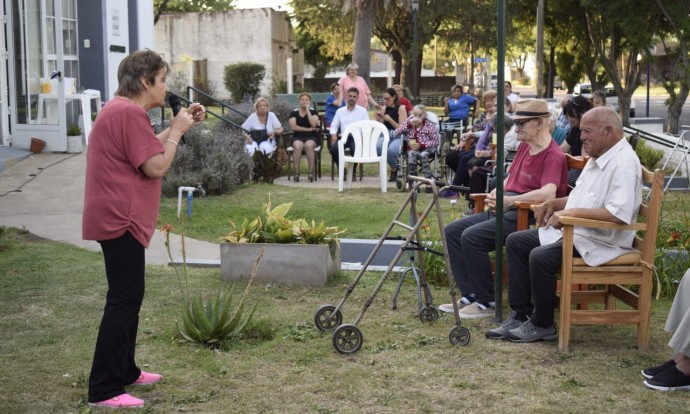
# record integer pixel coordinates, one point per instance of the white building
(262, 36)
(77, 43)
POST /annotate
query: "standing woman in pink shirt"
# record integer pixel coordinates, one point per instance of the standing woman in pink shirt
(351, 80)
(124, 167)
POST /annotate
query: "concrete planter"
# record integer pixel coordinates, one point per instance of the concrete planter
(74, 144)
(299, 264)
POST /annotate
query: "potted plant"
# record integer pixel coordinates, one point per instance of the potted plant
(74, 139)
(297, 251)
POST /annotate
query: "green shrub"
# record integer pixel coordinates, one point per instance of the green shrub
(73, 130)
(673, 246)
(524, 80)
(216, 159)
(649, 157)
(243, 80)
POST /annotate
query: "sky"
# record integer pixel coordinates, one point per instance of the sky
(255, 4)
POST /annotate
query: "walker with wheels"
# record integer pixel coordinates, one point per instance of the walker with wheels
(348, 338)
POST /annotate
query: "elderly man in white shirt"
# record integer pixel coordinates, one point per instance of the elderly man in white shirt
(343, 117)
(609, 189)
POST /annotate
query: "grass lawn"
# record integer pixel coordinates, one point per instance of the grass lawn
(51, 300)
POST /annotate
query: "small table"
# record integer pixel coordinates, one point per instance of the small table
(85, 99)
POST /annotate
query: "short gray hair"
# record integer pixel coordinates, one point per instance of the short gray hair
(352, 65)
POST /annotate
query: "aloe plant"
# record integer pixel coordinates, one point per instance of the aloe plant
(217, 321)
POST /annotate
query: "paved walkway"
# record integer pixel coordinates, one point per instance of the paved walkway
(44, 193)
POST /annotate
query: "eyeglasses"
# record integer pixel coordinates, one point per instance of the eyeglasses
(521, 123)
(575, 104)
(387, 98)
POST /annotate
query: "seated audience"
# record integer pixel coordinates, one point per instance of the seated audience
(392, 114)
(457, 159)
(304, 123)
(510, 95)
(263, 127)
(597, 99)
(422, 136)
(538, 172)
(574, 109)
(609, 189)
(557, 133)
(674, 374)
(457, 107)
(401, 96)
(562, 121)
(344, 117)
(334, 102)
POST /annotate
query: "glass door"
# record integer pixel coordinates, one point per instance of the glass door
(43, 59)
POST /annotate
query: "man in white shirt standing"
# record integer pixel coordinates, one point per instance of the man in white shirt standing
(609, 189)
(344, 117)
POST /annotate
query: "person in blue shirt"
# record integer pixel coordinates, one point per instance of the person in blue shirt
(333, 103)
(457, 106)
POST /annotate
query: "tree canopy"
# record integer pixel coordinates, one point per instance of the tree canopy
(185, 6)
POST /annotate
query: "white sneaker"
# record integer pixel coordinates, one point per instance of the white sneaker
(448, 307)
(476, 310)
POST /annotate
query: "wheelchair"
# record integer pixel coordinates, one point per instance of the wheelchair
(447, 129)
(435, 157)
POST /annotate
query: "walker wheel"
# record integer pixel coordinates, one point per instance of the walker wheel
(459, 335)
(347, 339)
(428, 314)
(325, 320)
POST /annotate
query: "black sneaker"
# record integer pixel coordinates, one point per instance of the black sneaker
(669, 380)
(393, 177)
(650, 372)
(513, 321)
(527, 332)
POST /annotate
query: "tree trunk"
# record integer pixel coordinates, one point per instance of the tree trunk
(365, 15)
(397, 67)
(675, 108)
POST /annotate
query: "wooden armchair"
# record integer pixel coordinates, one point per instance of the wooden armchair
(615, 276)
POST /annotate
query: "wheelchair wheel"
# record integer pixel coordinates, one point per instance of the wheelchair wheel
(443, 150)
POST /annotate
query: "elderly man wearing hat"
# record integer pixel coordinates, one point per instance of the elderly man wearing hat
(538, 173)
(609, 189)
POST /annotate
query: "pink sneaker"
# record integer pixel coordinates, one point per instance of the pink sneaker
(122, 400)
(147, 378)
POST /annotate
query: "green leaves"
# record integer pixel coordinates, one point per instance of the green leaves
(215, 322)
(274, 227)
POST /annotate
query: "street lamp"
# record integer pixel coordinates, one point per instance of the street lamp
(415, 91)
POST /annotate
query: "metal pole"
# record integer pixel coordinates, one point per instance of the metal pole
(647, 115)
(415, 91)
(500, 34)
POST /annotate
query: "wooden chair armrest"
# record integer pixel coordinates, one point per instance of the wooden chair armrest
(527, 204)
(523, 210)
(479, 199)
(598, 224)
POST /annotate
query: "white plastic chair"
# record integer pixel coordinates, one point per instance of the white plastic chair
(365, 135)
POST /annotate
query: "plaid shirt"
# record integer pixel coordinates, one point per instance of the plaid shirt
(562, 122)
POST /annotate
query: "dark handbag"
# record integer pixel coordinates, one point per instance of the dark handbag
(258, 135)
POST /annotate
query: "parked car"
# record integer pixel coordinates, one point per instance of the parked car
(585, 89)
(557, 83)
